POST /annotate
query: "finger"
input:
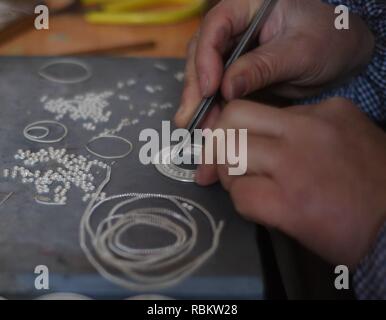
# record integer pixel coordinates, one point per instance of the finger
(191, 95)
(256, 155)
(263, 67)
(259, 199)
(206, 175)
(263, 155)
(212, 118)
(224, 177)
(225, 21)
(258, 118)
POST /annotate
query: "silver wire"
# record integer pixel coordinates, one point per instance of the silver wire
(131, 268)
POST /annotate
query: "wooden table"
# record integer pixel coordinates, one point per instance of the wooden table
(71, 34)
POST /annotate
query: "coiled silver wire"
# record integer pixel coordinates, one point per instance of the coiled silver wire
(146, 269)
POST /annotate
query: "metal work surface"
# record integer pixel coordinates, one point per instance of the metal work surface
(32, 234)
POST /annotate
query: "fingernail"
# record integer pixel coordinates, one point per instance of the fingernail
(181, 110)
(204, 84)
(239, 87)
(179, 117)
(183, 101)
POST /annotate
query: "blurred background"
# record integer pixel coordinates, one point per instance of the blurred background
(160, 28)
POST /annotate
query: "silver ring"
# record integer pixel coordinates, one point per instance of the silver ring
(49, 77)
(44, 135)
(167, 168)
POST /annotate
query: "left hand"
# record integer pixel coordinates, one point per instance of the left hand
(317, 173)
(299, 52)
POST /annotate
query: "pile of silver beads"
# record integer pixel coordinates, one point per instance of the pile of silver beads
(89, 107)
(71, 171)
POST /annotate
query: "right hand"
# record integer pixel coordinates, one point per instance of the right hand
(300, 52)
(315, 172)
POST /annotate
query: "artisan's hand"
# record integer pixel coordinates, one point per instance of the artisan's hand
(317, 173)
(300, 52)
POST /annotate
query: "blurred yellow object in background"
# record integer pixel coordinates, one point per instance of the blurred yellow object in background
(140, 12)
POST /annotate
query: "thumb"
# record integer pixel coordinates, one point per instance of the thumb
(274, 62)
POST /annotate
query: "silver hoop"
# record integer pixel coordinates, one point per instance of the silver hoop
(46, 76)
(110, 137)
(38, 125)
